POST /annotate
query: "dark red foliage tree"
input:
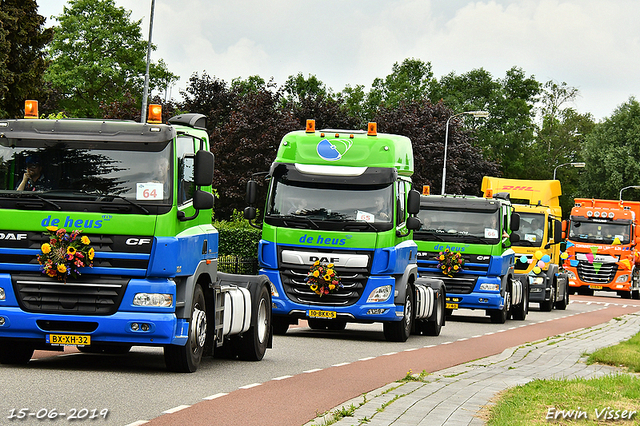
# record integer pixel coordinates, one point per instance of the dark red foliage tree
(424, 123)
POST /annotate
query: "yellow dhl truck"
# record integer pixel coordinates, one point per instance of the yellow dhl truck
(539, 245)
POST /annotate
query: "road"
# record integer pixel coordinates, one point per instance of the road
(306, 373)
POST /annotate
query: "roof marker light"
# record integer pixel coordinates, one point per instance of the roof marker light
(155, 114)
(311, 126)
(372, 129)
(30, 109)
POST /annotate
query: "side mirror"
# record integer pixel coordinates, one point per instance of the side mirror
(413, 223)
(514, 238)
(203, 200)
(252, 191)
(203, 175)
(557, 231)
(563, 246)
(249, 213)
(413, 202)
(515, 221)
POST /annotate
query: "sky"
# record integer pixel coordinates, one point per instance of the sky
(592, 45)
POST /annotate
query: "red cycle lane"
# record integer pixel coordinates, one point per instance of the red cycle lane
(299, 399)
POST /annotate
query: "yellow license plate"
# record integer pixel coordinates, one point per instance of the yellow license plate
(68, 339)
(595, 287)
(321, 314)
(451, 306)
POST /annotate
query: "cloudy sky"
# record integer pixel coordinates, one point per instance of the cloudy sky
(593, 45)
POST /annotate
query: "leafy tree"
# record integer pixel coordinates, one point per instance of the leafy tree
(612, 155)
(212, 97)
(411, 80)
(424, 123)
(22, 56)
(246, 143)
(98, 54)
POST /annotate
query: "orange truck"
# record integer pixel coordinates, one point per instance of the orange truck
(602, 239)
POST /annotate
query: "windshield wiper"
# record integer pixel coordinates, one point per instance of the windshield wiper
(29, 194)
(293, 218)
(121, 197)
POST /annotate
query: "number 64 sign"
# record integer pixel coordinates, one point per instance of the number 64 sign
(149, 191)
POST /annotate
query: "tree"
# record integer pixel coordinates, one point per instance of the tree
(209, 96)
(409, 81)
(424, 123)
(97, 55)
(612, 154)
(22, 55)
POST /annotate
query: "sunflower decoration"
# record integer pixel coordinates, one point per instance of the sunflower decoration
(65, 253)
(449, 262)
(323, 279)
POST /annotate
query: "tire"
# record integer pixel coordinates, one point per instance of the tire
(547, 305)
(253, 344)
(15, 353)
(280, 325)
(520, 311)
(186, 359)
(562, 304)
(316, 324)
(433, 328)
(635, 294)
(399, 331)
(326, 324)
(105, 349)
(499, 316)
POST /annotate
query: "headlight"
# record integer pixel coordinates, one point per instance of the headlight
(571, 275)
(274, 292)
(2, 294)
(622, 278)
(153, 299)
(490, 287)
(536, 280)
(380, 294)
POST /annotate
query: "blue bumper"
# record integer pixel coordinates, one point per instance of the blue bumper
(479, 299)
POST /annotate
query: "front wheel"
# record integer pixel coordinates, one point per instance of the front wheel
(253, 344)
(399, 331)
(562, 304)
(499, 316)
(15, 352)
(280, 325)
(433, 328)
(186, 359)
(521, 310)
(547, 305)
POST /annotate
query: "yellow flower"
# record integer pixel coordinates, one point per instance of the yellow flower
(332, 287)
(52, 228)
(85, 240)
(330, 272)
(91, 253)
(317, 262)
(327, 277)
(314, 287)
(442, 257)
(455, 267)
(316, 274)
(62, 268)
(330, 265)
(46, 248)
(71, 250)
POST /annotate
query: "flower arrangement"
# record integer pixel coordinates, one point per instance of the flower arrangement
(322, 279)
(450, 262)
(65, 253)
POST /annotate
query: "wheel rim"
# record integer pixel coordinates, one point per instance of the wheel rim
(261, 321)
(198, 328)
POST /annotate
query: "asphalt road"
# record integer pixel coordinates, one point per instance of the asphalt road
(306, 373)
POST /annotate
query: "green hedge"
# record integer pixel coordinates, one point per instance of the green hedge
(237, 237)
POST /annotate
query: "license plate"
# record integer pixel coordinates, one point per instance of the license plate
(68, 339)
(451, 306)
(595, 287)
(321, 314)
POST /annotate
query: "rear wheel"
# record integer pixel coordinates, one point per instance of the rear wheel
(186, 359)
(399, 331)
(253, 344)
(15, 352)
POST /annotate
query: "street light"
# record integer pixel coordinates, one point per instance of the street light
(476, 114)
(143, 112)
(566, 164)
(627, 187)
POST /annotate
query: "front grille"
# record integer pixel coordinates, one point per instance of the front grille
(298, 290)
(88, 295)
(587, 272)
(459, 284)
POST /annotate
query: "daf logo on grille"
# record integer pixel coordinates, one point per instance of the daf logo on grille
(137, 241)
(12, 236)
(324, 259)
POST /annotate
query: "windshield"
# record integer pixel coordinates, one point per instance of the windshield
(71, 169)
(599, 232)
(463, 226)
(318, 203)
(531, 230)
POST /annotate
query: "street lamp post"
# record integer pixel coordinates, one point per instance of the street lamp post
(580, 164)
(476, 114)
(143, 112)
(627, 187)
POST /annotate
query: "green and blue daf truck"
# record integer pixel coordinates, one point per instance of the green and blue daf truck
(112, 245)
(474, 233)
(340, 202)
